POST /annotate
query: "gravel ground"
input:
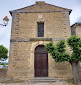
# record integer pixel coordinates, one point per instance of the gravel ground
(4, 81)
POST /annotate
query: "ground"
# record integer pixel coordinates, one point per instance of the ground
(5, 81)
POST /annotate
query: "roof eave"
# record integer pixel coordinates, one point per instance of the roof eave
(77, 23)
(70, 11)
(38, 11)
(10, 13)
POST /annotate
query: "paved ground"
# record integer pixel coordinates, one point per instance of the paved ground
(57, 83)
(11, 82)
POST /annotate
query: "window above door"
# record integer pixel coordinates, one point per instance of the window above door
(40, 27)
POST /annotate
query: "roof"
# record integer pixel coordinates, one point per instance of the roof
(77, 23)
(41, 7)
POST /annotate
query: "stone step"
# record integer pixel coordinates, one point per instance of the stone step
(40, 78)
(43, 79)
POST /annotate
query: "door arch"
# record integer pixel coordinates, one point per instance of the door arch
(41, 62)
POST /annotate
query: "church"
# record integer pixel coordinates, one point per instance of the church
(32, 27)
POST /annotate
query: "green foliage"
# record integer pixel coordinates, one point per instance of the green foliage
(61, 46)
(75, 44)
(4, 64)
(49, 47)
(59, 54)
(3, 53)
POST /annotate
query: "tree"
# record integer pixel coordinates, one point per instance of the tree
(59, 54)
(3, 53)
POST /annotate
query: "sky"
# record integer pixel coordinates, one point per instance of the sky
(8, 5)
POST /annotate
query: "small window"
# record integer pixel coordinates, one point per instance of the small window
(40, 29)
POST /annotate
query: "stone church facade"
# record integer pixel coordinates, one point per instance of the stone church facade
(32, 28)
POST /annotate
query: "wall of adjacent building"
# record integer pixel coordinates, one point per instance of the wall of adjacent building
(78, 30)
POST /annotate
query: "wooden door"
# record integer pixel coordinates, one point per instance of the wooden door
(41, 62)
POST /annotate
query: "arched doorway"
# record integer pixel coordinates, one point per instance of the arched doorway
(41, 62)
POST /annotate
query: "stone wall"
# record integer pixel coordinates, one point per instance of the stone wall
(78, 30)
(21, 62)
(24, 41)
(56, 25)
(19, 59)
